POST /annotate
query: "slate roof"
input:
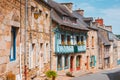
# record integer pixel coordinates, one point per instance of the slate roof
(112, 37)
(81, 21)
(60, 8)
(103, 39)
(59, 11)
(44, 2)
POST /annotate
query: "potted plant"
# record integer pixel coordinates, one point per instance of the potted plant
(51, 74)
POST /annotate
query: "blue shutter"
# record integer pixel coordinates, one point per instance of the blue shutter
(94, 60)
(14, 44)
(91, 61)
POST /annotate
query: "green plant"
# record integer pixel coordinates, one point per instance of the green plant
(79, 43)
(69, 74)
(51, 74)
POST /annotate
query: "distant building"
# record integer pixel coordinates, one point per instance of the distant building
(107, 46)
(118, 36)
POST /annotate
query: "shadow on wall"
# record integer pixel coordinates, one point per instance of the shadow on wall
(113, 76)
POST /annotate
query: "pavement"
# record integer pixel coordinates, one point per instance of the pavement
(109, 74)
(113, 74)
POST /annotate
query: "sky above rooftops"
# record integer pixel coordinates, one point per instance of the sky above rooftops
(109, 10)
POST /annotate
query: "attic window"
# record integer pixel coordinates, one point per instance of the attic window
(65, 19)
(74, 21)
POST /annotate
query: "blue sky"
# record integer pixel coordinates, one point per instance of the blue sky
(109, 10)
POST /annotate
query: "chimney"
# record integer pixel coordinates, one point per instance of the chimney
(80, 11)
(99, 21)
(109, 28)
(68, 5)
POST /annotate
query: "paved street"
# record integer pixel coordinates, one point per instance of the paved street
(104, 75)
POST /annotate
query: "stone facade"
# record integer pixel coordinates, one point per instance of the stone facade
(92, 49)
(68, 41)
(32, 55)
(9, 18)
(12, 38)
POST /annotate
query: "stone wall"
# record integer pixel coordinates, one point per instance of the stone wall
(92, 50)
(37, 33)
(10, 16)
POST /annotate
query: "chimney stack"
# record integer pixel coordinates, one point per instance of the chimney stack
(80, 11)
(99, 21)
(68, 5)
(109, 28)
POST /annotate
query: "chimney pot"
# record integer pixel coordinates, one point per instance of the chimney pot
(80, 11)
(100, 21)
(69, 5)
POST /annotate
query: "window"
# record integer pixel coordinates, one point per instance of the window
(46, 15)
(78, 61)
(74, 21)
(59, 62)
(41, 46)
(47, 52)
(77, 39)
(87, 42)
(68, 40)
(65, 19)
(93, 61)
(81, 38)
(13, 44)
(33, 55)
(62, 39)
(92, 41)
(66, 62)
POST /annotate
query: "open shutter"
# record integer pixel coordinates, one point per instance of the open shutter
(94, 60)
(30, 49)
(37, 56)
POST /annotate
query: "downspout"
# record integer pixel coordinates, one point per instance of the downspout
(50, 40)
(20, 44)
(25, 36)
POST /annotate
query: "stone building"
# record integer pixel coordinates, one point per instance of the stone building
(11, 25)
(92, 39)
(24, 49)
(38, 38)
(68, 39)
(107, 43)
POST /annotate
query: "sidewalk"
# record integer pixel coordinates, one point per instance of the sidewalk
(81, 73)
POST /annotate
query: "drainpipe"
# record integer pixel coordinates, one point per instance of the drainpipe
(50, 40)
(25, 36)
(20, 44)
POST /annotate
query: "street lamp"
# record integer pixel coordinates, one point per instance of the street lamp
(37, 13)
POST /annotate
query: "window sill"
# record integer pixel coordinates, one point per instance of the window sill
(66, 67)
(59, 69)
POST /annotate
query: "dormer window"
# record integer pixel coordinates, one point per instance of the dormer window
(74, 21)
(65, 19)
